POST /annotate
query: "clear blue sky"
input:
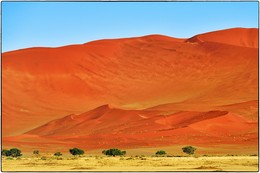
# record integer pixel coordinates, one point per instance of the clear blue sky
(33, 24)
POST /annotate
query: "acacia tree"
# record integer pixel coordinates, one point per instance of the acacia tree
(160, 152)
(76, 151)
(114, 152)
(189, 150)
(15, 152)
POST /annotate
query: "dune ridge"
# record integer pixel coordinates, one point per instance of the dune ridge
(236, 36)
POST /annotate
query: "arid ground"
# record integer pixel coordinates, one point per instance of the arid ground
(217, 158)
(134, 163)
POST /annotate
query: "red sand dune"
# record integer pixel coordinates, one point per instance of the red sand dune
(162, 88)
(106, 127)
(237, 36)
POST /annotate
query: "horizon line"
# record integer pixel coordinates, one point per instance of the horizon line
(119, 38)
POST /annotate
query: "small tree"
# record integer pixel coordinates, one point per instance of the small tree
(15, 152)
(36, 152)
(58, 154)
(114, 152)
(6, 152)
(160, 152)
(189, 150)
(76, 151)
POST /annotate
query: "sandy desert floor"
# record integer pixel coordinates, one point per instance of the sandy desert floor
(132, 163)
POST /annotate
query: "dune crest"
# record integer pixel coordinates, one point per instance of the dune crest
(236, 36)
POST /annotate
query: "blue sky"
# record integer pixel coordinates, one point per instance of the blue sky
(52, 24)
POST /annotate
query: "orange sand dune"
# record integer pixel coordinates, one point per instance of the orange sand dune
(216, 71)
(237, 36)
(112, 127)
(247, 109)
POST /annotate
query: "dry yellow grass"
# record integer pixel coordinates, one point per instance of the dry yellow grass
(103, 163)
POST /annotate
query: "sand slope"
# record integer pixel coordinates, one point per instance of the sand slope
(107, 126)
(211, 78)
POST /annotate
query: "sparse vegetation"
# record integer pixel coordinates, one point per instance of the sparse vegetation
(230, 154)
(9, 158)
(58, 154)
(43, 158)
(6, 152)
(14, 152)
(160, 152)
(130, 158)
(76, 151)
(131, 163)
(189, 150)
(36, 152)
(114, 152)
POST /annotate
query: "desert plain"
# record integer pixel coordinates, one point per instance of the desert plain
(133, 163)
(141, 159)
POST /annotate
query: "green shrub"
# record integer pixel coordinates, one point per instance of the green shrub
(58, 154)
(130, 158)
(114, 152)
(15, 152)
(160, 152)
(36, 152)
(76, 151)
(43, 158)
(6, 152)
(189, 150)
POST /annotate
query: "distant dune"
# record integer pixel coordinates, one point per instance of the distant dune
(237, 37)
(155, 90)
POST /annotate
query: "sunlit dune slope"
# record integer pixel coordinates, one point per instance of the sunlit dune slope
(237, 36)
(43, 84)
